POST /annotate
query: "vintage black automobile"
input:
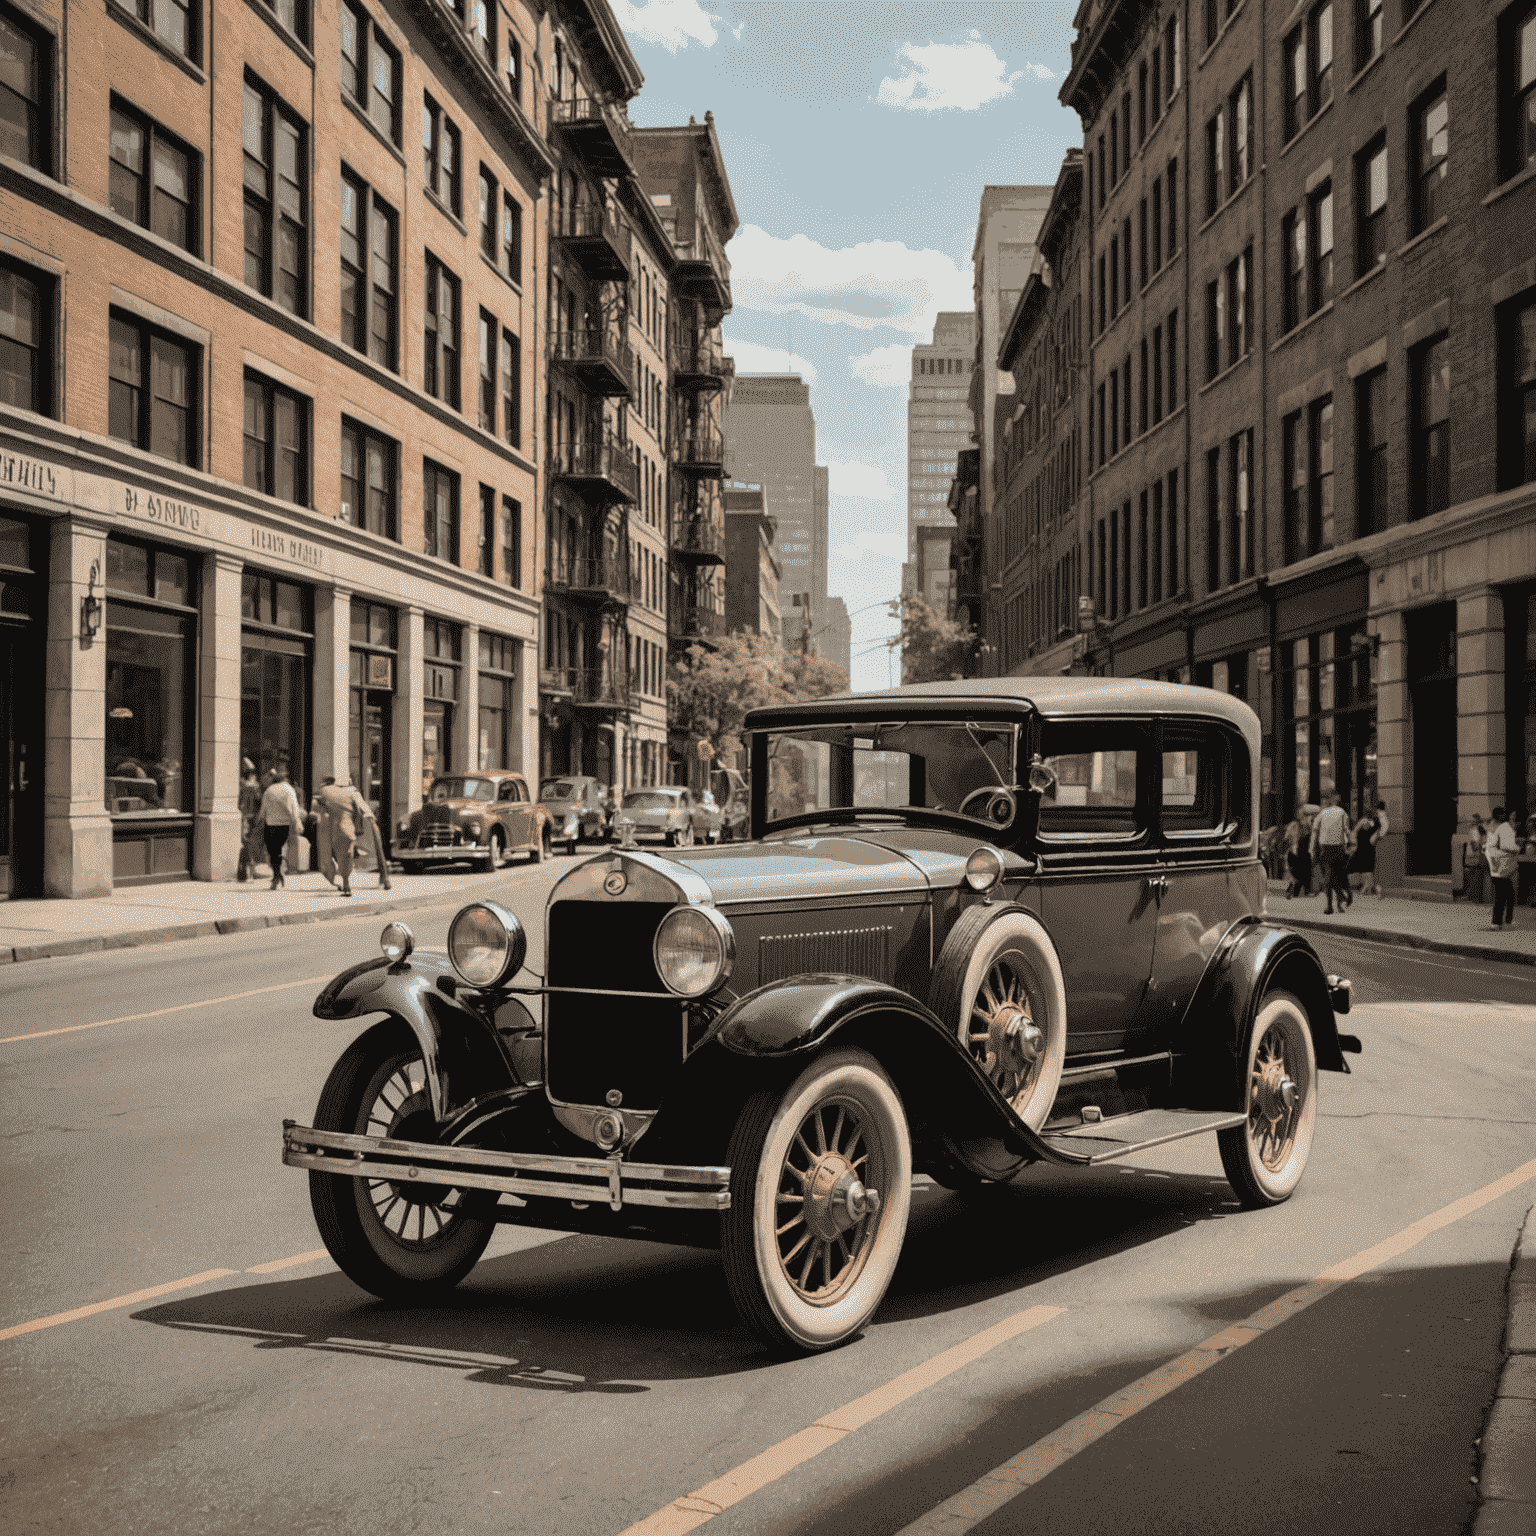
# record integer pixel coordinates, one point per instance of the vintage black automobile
(979, 925)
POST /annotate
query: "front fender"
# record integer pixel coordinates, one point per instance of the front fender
(765, 1038)
(465, 1057)
(1253, 957)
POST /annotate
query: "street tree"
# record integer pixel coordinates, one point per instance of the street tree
(934, 647)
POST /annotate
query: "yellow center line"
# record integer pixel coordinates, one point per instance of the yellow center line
(156, 1013)
(272, 1266)
(76, 1313)
(999, 1487)
(690, 1512)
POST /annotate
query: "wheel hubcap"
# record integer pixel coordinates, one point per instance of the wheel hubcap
(1003, 1036)
(1274, 1101)
(412, 1212)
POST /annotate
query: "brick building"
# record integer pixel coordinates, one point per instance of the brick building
(275, 497)
(939, 426)
(1311, 476)
(751, 563)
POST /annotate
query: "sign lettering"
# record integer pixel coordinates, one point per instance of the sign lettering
(28, 474)
(286, 547)
(162, 510)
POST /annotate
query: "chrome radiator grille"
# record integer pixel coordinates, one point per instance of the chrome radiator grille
(437, 837)
(846, 951)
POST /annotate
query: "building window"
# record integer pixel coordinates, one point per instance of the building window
(1125, 398)
(1320, 475)
(151, 177)
(276, 200)
(1516, 329)
(1239, 116)
(294, 15)
(1215, 161)
(440, 153)
(26, 370)
(368, 480)
(1320, 271)
(1432, 141)
(276, 440)
(1371, 205)
(1371, 436)
(512, 238)
(498, 701)
(1143, 398)
(512, 389)
(1309, 68)
(512, 541)
(1173, 206)
(487, 564)
(1213, 519)
(1114, 149)
(1157, 86)
(1212, 22)
(152, 390)
(1215, 327)
(488, 212)
(440, 511)
(174, 23)
(1141, 240)
(1368, 24)
(1173, 360)
(440, 365)
(1240, 506)
(1157, 374)
(1156, 211)
(514, 68)
(1293, 242)
(1239, 287)
(1431, 407)
(1293, 470)
(1171, 63)
(485, 30)
(370, 70)
(369, 263)
(1517, 87)
(489, 330)
(25, 73)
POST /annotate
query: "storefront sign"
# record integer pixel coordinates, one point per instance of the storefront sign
(287, 548)
(180, 515)
(29, 475)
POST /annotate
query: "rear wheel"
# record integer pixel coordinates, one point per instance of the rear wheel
(542, 849)
(1265, 1158)
(397, 1239)
(821, 1183)
(490, 861)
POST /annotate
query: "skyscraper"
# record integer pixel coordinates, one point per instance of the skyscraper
(938, 427)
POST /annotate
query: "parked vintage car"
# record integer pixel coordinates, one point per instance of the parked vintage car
(735, 807)
(483, 817)
(579, 807)
(666, 811)
(707, 820)
(984, 925)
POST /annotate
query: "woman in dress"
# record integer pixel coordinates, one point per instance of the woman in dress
(1362, 861)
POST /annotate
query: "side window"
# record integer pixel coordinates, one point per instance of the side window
(508, 790)
(1199, 794)
(1098, 775)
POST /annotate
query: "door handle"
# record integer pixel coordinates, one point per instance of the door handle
(1159, 884)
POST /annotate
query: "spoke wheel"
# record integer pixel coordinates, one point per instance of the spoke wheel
(820, 1188)
(1264, 1159)
(396, 1238)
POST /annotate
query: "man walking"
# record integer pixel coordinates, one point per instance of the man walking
(281, 815)
(1330, 839)
(343, 815)
(1503, 865)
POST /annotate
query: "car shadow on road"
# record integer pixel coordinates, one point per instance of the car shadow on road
(599, 1314)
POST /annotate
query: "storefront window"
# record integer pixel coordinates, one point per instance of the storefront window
(498, 700)
(275, 666)
(440, 674)
(1330, 729)
(370, 720)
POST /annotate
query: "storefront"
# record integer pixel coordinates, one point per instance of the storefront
(499, 698)
(277, 641)
(23, 606)
(441, 643)
(370, 713)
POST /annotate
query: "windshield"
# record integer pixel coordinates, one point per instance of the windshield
(650, 800)
(461, 789)
(559, 789)
(928, 765)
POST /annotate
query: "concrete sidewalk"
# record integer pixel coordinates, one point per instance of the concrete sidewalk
(1507, 1484)
(35, 928)
(1457, 928)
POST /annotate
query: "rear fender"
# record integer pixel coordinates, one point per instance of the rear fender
(465, 1057)
(1254, 957)
(766, 1038)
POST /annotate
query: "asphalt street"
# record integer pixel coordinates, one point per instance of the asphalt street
(577, 1384)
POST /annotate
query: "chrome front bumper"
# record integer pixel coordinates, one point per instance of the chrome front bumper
(585, 1180)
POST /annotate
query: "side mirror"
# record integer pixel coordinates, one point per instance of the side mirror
(1042, 777)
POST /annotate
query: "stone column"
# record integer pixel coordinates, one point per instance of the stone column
(1480, 722)
(216, 827)
(525, 734)
(332, 701)
(77, 831)
(467, 731)
(1394, 744)
(410, 686)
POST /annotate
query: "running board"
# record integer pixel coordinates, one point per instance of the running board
(1099, 1141)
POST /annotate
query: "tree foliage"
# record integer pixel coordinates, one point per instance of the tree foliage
(709, 691)
(934, 647)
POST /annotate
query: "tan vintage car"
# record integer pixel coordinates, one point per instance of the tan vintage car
(482, 817)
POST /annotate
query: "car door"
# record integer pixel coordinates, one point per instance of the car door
(1099, 874)
(516, 812)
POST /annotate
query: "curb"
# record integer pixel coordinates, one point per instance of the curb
(1411, 940)
(96, 942)
(1507, 1474)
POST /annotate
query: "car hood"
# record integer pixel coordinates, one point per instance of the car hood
(804, 868)
(454, 810)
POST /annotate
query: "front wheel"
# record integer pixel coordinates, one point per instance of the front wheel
(542, 849)
(821, 1183)
(490, 861)
(1265, 1158)
(397, 1239)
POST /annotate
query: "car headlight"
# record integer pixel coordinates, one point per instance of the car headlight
(475, 828)
(397, 942)
(694, 950)
(486, 944)
(983, 869)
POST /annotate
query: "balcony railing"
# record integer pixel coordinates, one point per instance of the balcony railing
(603, 578)
(699, 455)
(699, 538)
(586, 685)
(593, 237)
(702, 270)
(595, 131)
(601, 359)
(690, 622)
(605, 472)
(697, 363)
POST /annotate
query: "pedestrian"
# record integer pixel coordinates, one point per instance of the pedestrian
(342, 815)
(249, 802)
(1298, 854)
(281, 813)
(1330, 845)
(1503, 865)
(1362, 861)
(1474, 863)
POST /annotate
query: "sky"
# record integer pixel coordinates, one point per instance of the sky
(857, 139)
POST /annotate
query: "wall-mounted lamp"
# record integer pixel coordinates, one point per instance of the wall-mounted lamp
(90, 606)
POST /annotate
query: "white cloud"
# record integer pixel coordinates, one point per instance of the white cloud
(886, 367)
(873, 283)
(883, 546)
(847, 477)
(752, 357)
(948, 76)
(1039, 71)
(672, 23)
